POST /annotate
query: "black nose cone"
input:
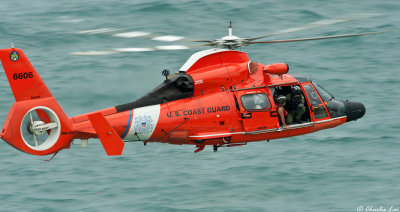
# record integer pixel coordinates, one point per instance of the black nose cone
(354, 110)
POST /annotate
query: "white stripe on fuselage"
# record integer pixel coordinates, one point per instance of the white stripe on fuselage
(143, 123)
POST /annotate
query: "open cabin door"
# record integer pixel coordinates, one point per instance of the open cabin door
(256, 110)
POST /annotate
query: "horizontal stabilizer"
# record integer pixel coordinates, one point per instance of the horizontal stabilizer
(111, 141)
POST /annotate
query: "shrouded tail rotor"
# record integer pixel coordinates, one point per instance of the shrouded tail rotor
(40, 134)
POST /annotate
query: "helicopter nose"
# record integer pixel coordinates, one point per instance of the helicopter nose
(354, 110)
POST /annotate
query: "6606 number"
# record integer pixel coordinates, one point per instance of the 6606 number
(24, 75)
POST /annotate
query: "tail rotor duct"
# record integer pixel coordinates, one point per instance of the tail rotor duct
(40, 128)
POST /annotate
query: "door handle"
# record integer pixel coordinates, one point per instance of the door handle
(273, 113)
(246, 115)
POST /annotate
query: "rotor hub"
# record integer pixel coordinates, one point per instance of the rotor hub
(229, 41)
(38, 127)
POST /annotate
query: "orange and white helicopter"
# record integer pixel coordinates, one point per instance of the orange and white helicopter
(219, 97)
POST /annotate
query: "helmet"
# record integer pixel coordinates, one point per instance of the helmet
(296, 89)
(281, 100)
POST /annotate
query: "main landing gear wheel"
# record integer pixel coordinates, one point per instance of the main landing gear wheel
(40, 128)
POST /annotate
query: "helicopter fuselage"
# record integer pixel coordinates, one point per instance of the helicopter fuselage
(218, 97)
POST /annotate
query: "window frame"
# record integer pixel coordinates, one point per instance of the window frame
(320, 105)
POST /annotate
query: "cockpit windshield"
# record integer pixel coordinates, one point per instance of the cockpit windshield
(325, 95)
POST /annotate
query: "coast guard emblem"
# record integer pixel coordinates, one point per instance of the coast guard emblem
(14, 56)
(144, 124)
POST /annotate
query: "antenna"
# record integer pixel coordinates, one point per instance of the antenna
(230, 28)
(165, 73)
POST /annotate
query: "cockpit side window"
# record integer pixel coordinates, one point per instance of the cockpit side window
(254, 102)
(325, 95)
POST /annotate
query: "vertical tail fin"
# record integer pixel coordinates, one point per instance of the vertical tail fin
(24, 81)
(36, 124)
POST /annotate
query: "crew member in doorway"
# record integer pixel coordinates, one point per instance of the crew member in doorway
(280, 107)
(295, 105)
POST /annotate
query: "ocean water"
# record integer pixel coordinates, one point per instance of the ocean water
(354, 167)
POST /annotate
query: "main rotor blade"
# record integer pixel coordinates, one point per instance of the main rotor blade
(98, 31)
(138, 34)
(94, 53)
(135, 49)
(316, 38)
(316, 24)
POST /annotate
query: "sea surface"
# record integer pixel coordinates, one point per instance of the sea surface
(353, 167)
